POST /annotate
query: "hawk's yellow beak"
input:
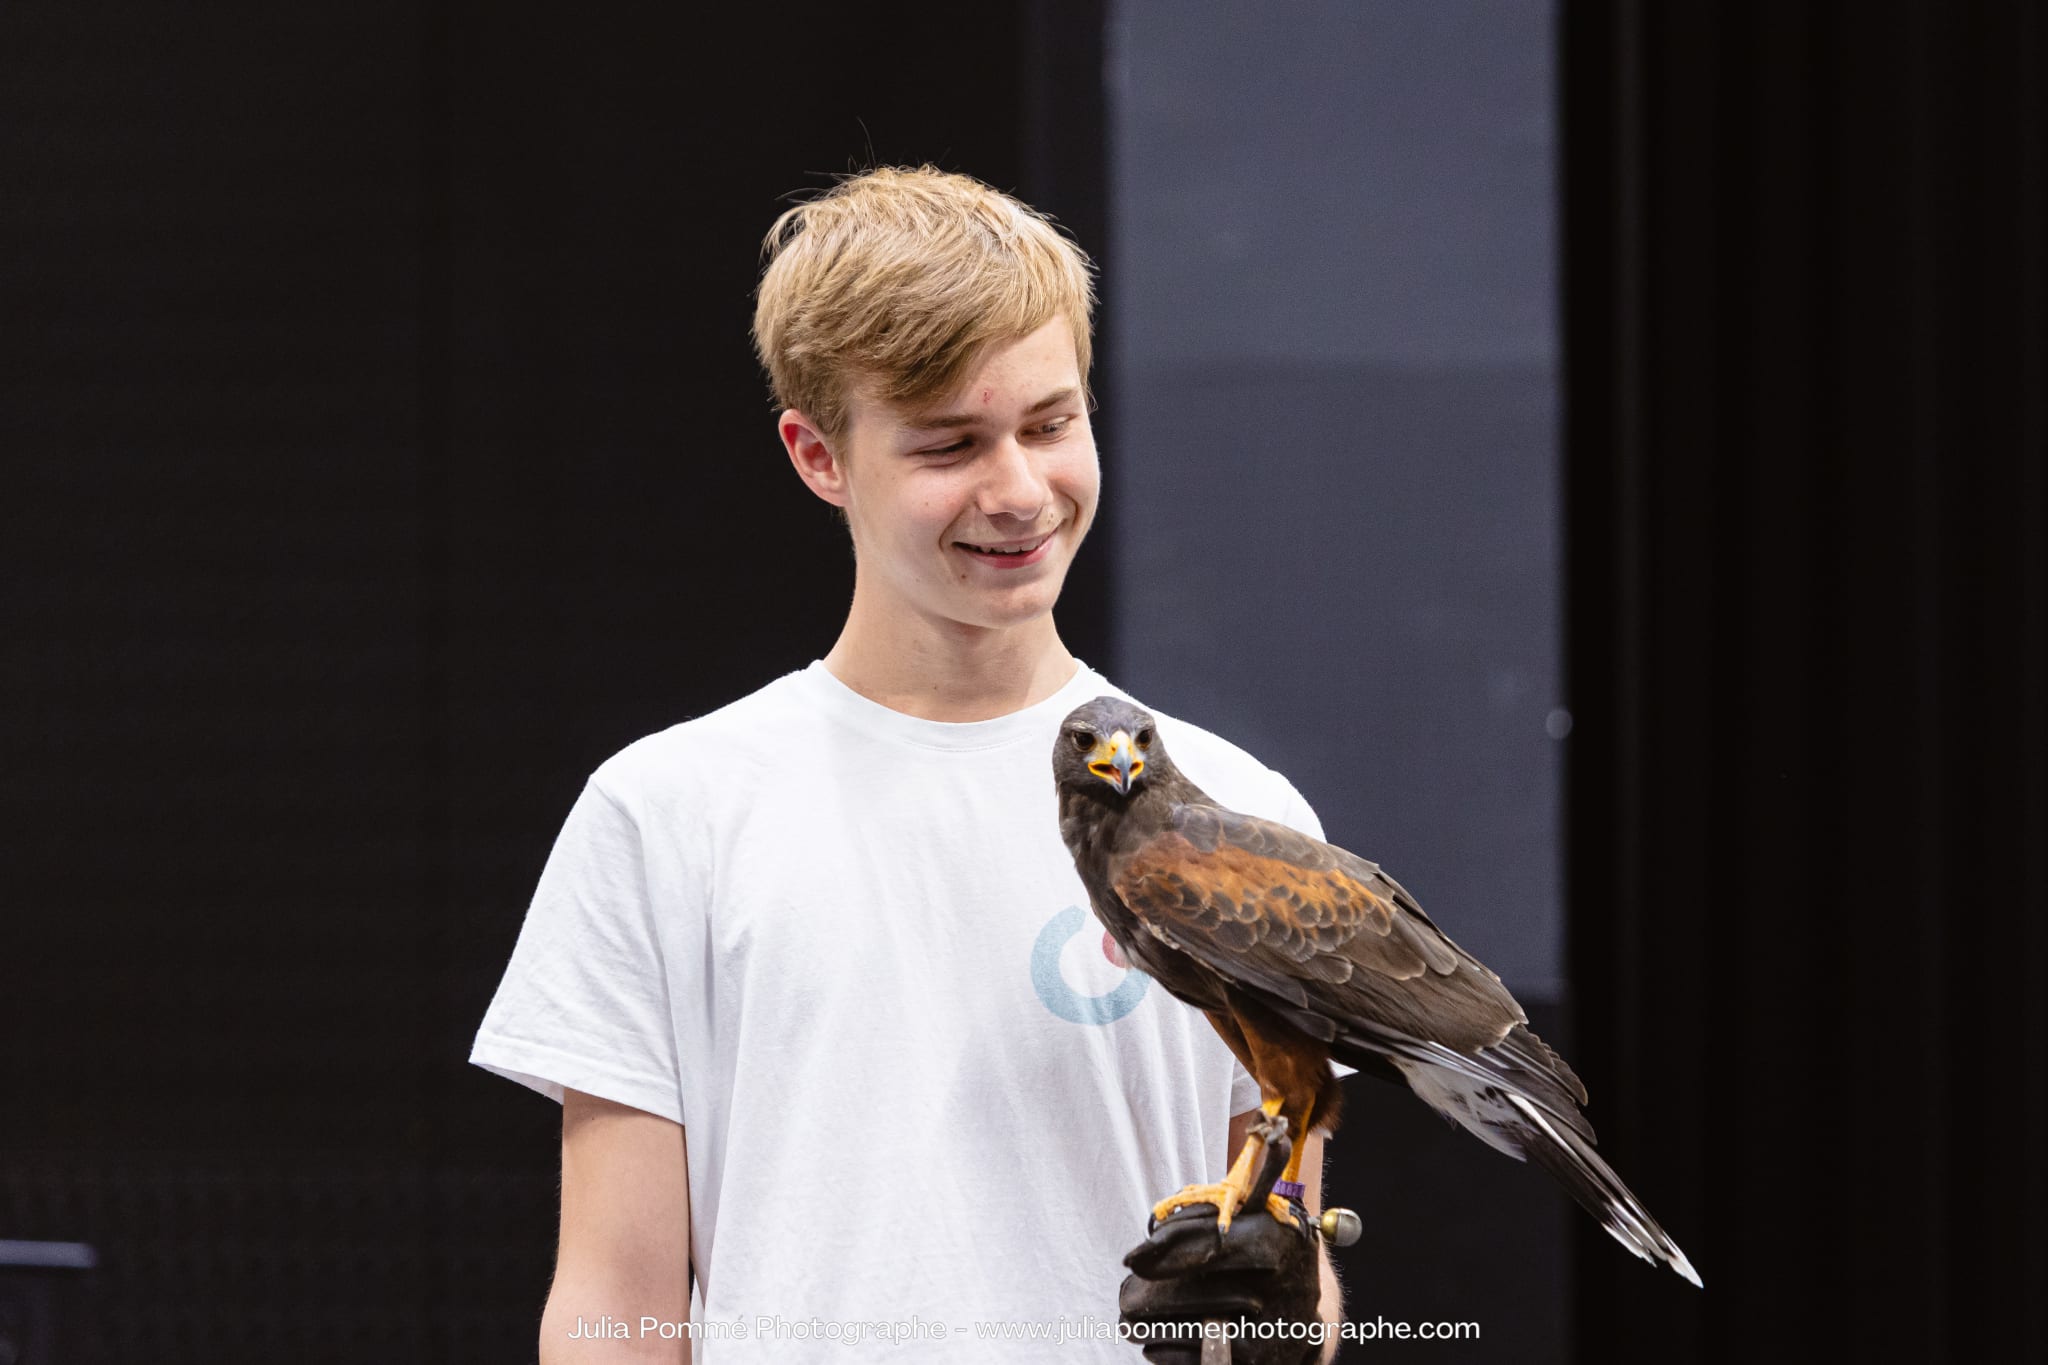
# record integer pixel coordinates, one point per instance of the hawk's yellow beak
(1116, 762)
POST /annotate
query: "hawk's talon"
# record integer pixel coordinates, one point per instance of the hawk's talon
(1282, 1209)
(1224, 1196)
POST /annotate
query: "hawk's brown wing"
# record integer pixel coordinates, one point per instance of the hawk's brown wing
(1311, 929)
(1335, 946)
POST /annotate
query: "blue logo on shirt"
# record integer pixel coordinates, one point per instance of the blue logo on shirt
(1061, 998)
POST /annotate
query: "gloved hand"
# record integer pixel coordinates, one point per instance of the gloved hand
(1260, 1270)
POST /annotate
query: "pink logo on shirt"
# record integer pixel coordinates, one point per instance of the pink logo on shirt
(1063, 981)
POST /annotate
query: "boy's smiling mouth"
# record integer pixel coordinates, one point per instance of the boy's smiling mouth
(1007, 549)
(1001, 555)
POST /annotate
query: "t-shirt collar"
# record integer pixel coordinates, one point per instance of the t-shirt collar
(1037, 721)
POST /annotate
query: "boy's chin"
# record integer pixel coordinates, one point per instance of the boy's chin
(1008, 611)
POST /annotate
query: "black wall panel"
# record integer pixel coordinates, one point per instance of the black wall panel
(383, 449)
(1808, 355)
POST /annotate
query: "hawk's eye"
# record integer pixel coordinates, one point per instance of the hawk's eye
(1145, 738)
(1083, 741)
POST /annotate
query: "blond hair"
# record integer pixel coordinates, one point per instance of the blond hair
(899, 278)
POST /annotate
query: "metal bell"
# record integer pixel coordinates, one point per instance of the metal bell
(1340, 1227)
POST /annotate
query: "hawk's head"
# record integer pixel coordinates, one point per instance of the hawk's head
(1110, 743)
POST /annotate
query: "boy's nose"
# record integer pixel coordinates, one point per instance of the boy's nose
(1016, 486)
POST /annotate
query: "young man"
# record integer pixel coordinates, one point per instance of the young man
(813, 975)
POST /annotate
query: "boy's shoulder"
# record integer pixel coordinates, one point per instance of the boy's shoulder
(741, 731)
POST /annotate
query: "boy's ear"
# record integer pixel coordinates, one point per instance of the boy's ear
(817, 464)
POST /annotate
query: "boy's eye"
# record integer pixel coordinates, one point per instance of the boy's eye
(1057, 427)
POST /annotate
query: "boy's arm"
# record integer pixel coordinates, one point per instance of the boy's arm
(625, 1248)
(1332, 1305)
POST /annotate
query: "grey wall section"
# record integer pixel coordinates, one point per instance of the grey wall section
(1333, 450)
(1334, 492)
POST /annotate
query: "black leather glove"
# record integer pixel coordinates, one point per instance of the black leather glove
(1260, 1271)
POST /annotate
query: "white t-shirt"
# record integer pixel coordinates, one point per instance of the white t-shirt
(847, 950)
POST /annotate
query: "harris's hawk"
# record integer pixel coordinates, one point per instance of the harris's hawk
(1298, 952)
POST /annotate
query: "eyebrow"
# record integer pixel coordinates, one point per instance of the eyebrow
(967, 419)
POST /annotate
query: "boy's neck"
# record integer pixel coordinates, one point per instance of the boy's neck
(955, 673)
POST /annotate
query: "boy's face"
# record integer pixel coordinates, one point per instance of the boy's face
(1004, 463)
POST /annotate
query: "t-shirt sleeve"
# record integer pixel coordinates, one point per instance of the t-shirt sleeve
(1244, 1089)
(1295, 811)
(584, 1002)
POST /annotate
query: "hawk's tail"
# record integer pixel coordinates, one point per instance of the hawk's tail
(1518, 1097)
(1594, 1184)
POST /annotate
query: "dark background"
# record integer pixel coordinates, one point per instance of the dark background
(1807, 339)
(382, 451)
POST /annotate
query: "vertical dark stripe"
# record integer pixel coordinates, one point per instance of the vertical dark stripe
(1924, 340)
(431, 1130)
(2029, 454)
(2029, 172)
(1632, 566)
(1600, 163)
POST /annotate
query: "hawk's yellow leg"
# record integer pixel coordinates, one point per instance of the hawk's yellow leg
(1275, 1205)
(1229, 1196)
